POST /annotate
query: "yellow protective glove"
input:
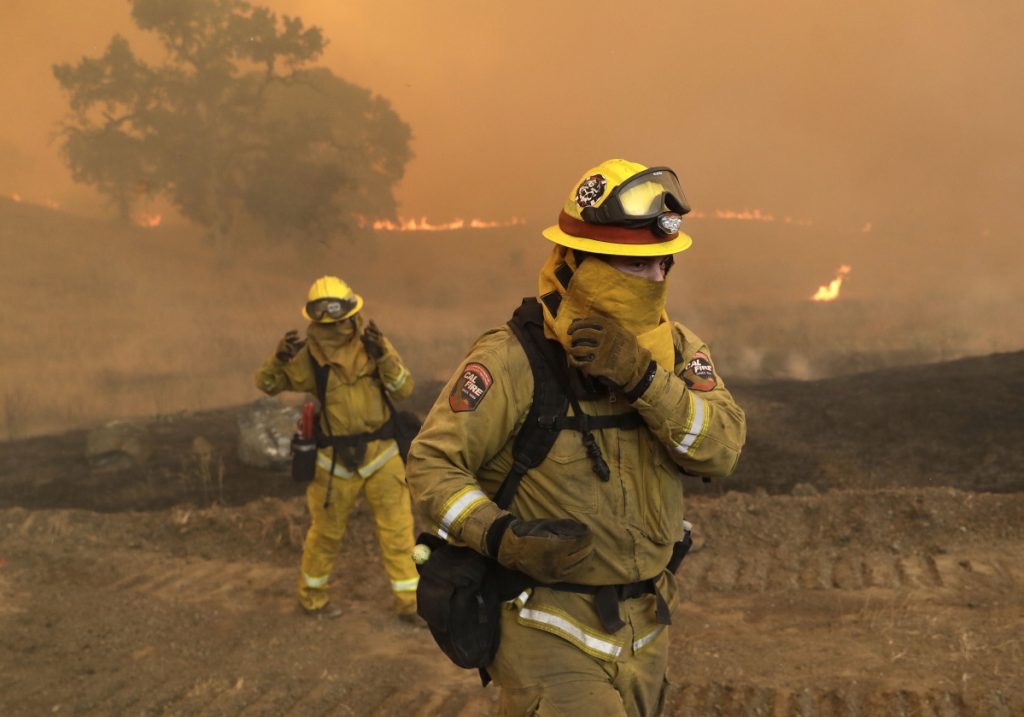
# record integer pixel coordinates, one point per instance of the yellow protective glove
(601, 348)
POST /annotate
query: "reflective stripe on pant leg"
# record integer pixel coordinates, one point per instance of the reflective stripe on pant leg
(317, 582)
(404, 586)
(326, 531)
(388, 496)
(543, 674)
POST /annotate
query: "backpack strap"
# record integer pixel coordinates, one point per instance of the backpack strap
(550, 402)
(320, 376)
(548, 415)
(397, 426)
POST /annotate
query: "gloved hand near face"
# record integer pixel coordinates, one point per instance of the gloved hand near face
(373, 340)
(289, 345)
(601, 348)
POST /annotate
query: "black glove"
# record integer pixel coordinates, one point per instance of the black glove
(547, 550)
(288, 346)
(373, 340)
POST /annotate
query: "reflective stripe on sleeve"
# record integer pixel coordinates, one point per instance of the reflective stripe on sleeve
(405, 586)
(398, 382)
(312, 582)
(697, 427)
(459, 507)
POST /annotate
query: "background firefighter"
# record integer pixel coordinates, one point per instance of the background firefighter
(593, 526)
(360, 362)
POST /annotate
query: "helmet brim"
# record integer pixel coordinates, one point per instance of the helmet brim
(353, 312)
(681, 242)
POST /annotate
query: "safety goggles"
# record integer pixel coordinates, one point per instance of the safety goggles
(330, 307)
(644, 198)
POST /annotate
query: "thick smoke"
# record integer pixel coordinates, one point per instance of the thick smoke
(886, 133)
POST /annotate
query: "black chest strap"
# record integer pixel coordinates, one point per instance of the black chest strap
(349, 449)
(552, 395)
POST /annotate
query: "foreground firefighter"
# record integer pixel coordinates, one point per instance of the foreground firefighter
(552, 464)
(355, 371)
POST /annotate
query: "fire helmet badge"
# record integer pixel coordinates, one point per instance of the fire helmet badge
(590, 190)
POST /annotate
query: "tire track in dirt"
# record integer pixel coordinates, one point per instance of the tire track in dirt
(397, 670)
(116, 697)
(212, 698)
(234, 585)
(963, 569)
(430, 701)
(264, 698)
(733, 699)
(225, 585)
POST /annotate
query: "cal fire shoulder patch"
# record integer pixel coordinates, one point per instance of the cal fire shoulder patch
(699, 374)
(470, 389)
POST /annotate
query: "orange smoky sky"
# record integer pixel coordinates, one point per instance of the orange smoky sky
(903, 113)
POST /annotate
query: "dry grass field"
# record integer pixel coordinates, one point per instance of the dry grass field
(103, 320)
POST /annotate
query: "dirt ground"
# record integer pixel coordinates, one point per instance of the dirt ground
(866, 559)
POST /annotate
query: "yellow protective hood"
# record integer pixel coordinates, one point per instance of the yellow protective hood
(597, 288)
(338, 344)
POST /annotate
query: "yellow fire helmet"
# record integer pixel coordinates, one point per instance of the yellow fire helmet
(330, 300)
(626, 209)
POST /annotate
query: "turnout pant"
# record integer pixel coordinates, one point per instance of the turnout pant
(388, 497)
(543, 675)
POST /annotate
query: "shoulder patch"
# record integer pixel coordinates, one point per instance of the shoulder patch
(470, 389)
(699, 374)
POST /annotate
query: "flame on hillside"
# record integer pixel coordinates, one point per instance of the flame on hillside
(424, 225)
(831, 292)
(148, 220)
(749, 215)
(48, 203)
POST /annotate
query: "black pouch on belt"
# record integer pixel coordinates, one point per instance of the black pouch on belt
(303, 458)
(458, 598)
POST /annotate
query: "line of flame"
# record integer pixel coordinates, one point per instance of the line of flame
(831, 292)
(748, 215)
(423, 225)
(48, 203)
